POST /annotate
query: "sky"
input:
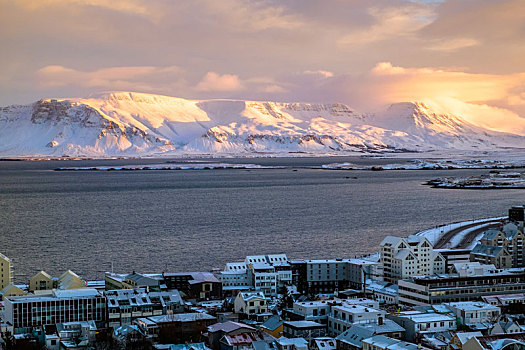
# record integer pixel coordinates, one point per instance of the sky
(464, 56)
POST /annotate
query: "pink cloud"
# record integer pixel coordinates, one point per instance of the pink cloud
(216, 82)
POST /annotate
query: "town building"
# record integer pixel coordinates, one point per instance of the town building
(453, 256)
(175, 328)
(6, 271)
(12, 291)
(198, 285)
(303, 329)
(285, 343)
(126, 305)
(342, 317)
(273, 326)
(329, 275)
(504, 248)
(381, 342)
(251, 303)
(472, 312)
(403, 258)
(59, 306)
(218, 330)
(418, 324)
(467, 285)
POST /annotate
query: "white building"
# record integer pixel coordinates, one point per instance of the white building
(316, 311)
(402, 258)
(251, 303)
(417, 324)
(470, 312)
(342, 317)
(267, 273)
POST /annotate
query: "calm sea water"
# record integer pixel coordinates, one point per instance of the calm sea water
(154, 221)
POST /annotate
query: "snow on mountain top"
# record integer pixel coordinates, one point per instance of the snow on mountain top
(130, 123)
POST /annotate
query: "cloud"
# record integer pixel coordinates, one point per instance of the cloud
(452, 44)
(135, 7)
(215, 82)
(251, 15)
(135, 78)
(321, 73)
(390, 22)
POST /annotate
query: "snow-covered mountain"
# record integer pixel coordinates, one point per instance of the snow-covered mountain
(136, 124)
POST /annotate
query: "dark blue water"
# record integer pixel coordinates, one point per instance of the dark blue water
(154, 221)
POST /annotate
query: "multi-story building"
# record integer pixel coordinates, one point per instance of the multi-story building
(251, 303)
(6, 271)
(267, 273)
(126, 305)
(504, 248)
(329, 275)
(59, 306)
(342, 317)
(402, 258)
(453, 256)
(517, 214)
(418, 324)
(466, 285)
(198, 285)
(67, 280)
(471, 312)
(303, 329)
(316, 311)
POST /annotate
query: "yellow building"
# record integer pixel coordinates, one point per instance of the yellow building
(6, 272)
(12, 291)
(70, 280)
(41, 281)
(273, 326)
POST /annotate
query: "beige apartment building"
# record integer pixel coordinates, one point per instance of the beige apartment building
(6, 271)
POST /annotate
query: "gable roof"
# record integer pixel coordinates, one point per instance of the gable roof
(228, 326)
(355, 335)
(272, 323)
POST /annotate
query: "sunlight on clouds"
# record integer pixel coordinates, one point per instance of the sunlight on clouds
(148, 78)
(452, 44)
(215, 82)
(390, 23)
(135, 7)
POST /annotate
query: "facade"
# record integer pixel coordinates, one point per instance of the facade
(453, 256)
(41, 281)
(6, 271)
(471, 312)
(403, 258)
(59, 306)
(418, 324)
(381, 342)
(11, 291)
(251, 303)
(344, 316)
(217, 331)
(303, 329)
(175, 328)
(265, 273)
(126, 305)
(316, 311)
(504, 248)
(199, 285)
(329, 275)
(468, 285)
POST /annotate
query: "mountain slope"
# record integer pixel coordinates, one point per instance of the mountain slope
(135, 124)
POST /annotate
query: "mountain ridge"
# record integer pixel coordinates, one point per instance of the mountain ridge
(138, 124)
